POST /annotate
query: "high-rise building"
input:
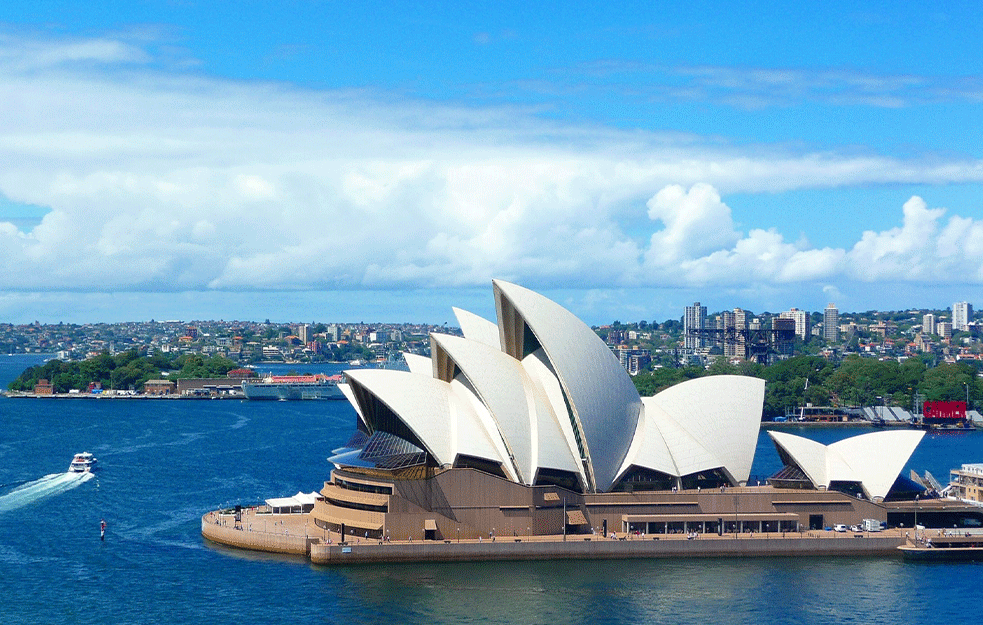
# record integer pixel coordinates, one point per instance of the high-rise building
(741, 320)
(694, 319)
(944, 329)
(736, 320)
(962, 314)
(725, 320)
(831, 323)
(928, 324)
(304, 333)
(802, 321)
(333, 333)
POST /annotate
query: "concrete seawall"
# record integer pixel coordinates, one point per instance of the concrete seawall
(221, 529)
(578, 548)
(293, 534)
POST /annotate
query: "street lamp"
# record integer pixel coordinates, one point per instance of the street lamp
(563, 520)
(916, 518)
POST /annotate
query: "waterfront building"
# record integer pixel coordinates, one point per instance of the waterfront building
(962, 315)
(158, 387)
(967, 482)
(831, 323)
(928, 324)
(531, 426)
(694, 319)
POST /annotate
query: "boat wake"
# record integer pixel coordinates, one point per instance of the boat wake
(47, 486)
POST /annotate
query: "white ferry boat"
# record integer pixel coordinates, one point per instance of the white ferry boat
(287, 387)
(82, 463)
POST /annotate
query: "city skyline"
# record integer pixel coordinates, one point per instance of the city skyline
(384, 162)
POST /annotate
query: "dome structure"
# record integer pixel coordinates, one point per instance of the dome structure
(538, 398)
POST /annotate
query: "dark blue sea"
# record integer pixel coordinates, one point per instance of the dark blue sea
(162, 464)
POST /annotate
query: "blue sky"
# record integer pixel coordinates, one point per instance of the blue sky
(384, 161)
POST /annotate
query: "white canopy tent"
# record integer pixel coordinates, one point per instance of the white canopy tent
(298, 504)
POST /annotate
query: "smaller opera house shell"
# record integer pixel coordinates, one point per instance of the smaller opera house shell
(530, 425)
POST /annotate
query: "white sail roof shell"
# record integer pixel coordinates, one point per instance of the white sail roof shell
(477, 328)
(874, 460)
(346, 390)
(443, 421)
(557, 448)
(603, 401)
(418, 364)
(720, 417)
(649, 449)
(521, 414)
(700, 425)
(540, 390)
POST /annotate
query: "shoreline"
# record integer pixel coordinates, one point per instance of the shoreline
(19, 395)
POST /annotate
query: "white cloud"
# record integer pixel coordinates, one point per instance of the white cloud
(761, 87)
(696, 222)
(20, 55)
(907, 252)
(171, 182)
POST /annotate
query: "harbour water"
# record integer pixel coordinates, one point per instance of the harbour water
(162, 464)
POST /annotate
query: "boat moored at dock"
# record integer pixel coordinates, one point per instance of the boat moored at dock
(290, 387)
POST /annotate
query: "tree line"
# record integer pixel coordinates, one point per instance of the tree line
(124, 371)
(854, 381)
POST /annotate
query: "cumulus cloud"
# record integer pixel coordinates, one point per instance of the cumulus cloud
(922, 249)
(696, 222)
(176, 182)
(699, 246)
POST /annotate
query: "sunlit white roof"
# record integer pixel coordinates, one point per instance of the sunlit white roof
(540, 395)
(300, 499)
(422, 410)
(701, 425)
(523, 417)
(874, 460)
(477, 328)
(603, 403)
(418, 364)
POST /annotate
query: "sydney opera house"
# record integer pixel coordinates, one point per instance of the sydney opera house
(529, 425)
